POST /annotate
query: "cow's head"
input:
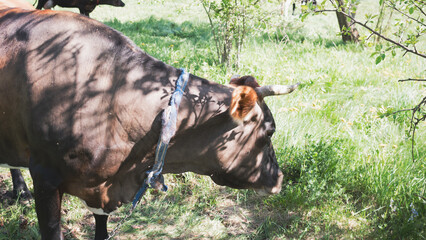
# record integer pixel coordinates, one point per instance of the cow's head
(249, 160)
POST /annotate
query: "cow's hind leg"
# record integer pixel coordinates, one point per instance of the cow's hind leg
(84, 12)
(48, 201)
(101, 232)
(20, 189)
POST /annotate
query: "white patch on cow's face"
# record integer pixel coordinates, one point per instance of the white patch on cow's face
(13, 167)
(49, 4)
(98, 211)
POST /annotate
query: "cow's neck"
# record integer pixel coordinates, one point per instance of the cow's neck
(203, 105)
(204, 108)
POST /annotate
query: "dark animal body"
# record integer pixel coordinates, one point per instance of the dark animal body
(85, 6)
(20, 188)
(84, 104)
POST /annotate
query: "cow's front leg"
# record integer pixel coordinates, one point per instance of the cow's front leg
(48, 208)
(47, 200)
(101, 231)
(20, 189)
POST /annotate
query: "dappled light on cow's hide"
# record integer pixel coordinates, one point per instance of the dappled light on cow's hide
(87, 104)
(205, 101)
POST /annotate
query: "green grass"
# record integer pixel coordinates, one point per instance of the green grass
(347, 163)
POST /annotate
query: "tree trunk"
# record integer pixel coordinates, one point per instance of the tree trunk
(348, 30)
(379, 23)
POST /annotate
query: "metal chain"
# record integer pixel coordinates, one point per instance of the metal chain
(119, 225)
(135, 203)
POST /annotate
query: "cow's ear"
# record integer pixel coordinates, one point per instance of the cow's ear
(243, 101)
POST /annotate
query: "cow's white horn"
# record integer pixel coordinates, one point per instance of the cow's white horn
(271, 90)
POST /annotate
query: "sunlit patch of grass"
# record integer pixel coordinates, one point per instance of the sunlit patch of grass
(351, 99)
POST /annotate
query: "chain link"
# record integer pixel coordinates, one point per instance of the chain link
(119, 225)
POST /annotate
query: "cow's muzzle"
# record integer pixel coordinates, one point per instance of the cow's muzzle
(272, 190)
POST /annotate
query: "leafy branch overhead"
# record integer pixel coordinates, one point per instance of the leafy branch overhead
(409, 29)
(230, 22)
(409, 24)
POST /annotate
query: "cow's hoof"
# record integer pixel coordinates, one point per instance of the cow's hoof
(22, 194)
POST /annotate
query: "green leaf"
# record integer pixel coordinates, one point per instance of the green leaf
(381, 2)
(303, 16)
(378, 59)
(374, 53)
(411, 10)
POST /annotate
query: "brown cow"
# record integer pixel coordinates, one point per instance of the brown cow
(20, 189)
(86, 104)
(85, 6)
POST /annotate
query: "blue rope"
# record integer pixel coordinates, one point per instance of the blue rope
(139, 195)
(168, 130)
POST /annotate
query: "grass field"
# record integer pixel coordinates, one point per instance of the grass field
(349, 172)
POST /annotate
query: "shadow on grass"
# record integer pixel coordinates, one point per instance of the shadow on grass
(179, 44)
(250, 219)
(191, 45)
(296, 34)
(16, 222)
(297, 37)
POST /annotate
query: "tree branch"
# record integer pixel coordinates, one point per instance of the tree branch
(415, 121)
(412, 79)
(394, 8)
(375, 32)
(332, 3)
(420, 8)
(402, 110)
(216, 39)
(420, 1)
(256, 2)
(326, 10)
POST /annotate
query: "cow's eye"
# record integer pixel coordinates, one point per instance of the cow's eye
(270, 132)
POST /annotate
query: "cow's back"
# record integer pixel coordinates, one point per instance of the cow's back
(69, 87)
(48, 75)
